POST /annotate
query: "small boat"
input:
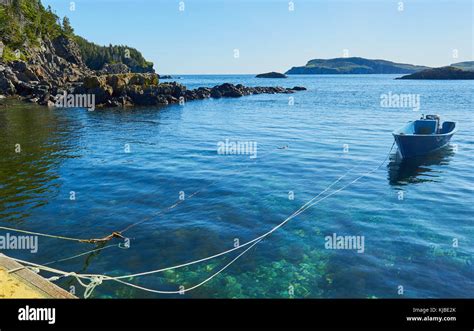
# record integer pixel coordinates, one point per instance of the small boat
(423, 136)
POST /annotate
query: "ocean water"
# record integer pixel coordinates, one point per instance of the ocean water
(129, 166)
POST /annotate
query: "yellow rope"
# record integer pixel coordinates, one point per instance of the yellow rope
(90, 241)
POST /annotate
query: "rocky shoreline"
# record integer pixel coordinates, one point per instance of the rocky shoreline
(144, 90)
(46, 73)
(37, 83)
(117, 90)
(51, 69)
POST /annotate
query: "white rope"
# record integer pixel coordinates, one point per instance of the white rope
(296, 213)
(189, 288)
(255, 241)
(82, 254)
(97, 279)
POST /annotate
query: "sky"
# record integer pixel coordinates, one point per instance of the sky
(254, 36)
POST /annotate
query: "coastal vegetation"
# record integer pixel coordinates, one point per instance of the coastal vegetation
(468, 65)
(353, 65)
(26, 24)
(443, 73)
(96, 57)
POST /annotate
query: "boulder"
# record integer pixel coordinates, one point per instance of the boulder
(115, 68)
(101, 94)
(145, 79)
(19, 66)
(298, 88)
(92, 82)
(6, 85)
(117, 82)
(216, 94)
(23, 88)
(226, 90)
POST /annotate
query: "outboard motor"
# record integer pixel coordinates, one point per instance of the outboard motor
(437, 119)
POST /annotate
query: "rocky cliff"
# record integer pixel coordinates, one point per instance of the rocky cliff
(41, 62)
(47, 68)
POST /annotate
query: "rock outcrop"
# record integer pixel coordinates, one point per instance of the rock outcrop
(116, 68)
(272, 74)
(145, 90)
(51, 67)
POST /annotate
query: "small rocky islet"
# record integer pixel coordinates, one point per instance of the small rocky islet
(272, 74)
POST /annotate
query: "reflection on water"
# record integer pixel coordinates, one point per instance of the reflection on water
(418, 169)
(32, 146)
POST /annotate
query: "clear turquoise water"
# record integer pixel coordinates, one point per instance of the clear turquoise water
(407, 242)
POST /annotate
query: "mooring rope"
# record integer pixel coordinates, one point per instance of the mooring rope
(97, 279)
(296, 213)
(82, 254)
(42, 234)
(256, 240)
(118, 234)
(153, 215)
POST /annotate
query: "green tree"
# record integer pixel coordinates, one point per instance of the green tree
(67, 28)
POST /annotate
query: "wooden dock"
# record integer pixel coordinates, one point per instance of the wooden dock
(25, 284)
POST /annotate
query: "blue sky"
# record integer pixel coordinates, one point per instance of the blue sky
(269, 37)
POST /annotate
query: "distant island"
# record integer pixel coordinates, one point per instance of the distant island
(272, 74)
(353, 65)
(443, 73)
(468, 65)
